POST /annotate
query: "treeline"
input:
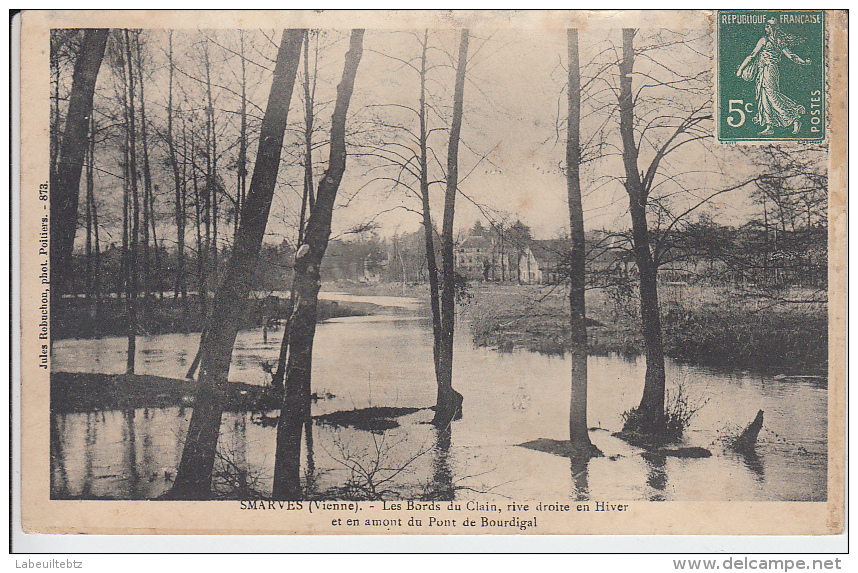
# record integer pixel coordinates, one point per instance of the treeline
(751, 256)
(165, 172)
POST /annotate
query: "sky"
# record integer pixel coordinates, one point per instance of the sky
(512, 153)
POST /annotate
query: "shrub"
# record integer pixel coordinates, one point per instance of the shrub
(679, 410)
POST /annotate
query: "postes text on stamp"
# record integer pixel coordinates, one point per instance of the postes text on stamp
(770, 76)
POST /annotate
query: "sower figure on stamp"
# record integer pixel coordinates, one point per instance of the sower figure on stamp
(774, 109)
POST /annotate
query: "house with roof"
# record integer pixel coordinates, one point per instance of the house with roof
(543, 262)
(473, 257)
(485, 257)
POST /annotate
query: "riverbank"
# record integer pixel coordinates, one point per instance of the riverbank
(95, 392)
(534, 318)
(77, 318)
(90, 392)
(411, 290)
(716, 333)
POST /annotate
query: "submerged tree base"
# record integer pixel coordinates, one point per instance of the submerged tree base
(561, 448)
(448, 408)
(641, 430)
(661, 453)
(375, 419)
(646, 429)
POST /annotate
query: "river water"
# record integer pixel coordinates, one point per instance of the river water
(510, 398)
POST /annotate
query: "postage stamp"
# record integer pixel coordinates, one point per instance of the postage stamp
(771, 76)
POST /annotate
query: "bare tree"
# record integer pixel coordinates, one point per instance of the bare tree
(412, 170)
(307, 198)
(92, 237)
(193, 478)
(65, 177)
(306, 284)
(449, 402)
(682, 128)
(579, 436)
(428, 228)
(181, 284)
(133, 267)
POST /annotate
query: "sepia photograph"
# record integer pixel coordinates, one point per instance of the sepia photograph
(476, 273)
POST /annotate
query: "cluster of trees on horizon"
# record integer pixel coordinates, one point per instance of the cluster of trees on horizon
(187, 219)
(771, 254)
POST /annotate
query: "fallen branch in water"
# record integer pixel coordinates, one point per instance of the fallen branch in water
(747, 440)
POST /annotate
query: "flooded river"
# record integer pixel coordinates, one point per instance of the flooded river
(510, 398)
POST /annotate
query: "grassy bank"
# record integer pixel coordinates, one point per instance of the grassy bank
(708, 330)
(775, 340)
(537, 319)
(77, 319)
(410, 290)
(87, 392)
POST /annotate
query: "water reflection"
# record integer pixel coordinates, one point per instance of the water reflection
(754, 463)
(580, 468)
(310, 473)
(441, 488)
(656, 476)
(129, 459)
(365, 362)
(60, 481)
(88, 454)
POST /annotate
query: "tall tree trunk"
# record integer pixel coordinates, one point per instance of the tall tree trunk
(193, 478)
(65, 177)
(207, 210)
(178, 183)
(97, 263)
(449, 403)
(306, 202)
(306, 284)
(211, 177)
(202, 265)
(650, 412)
(89, 191)
(183, 217)
(308, 143)
(96, 267)
(207, 220)
(242, 144)
(159, 272)
(122, 283)
(135, 207)
(579, 437)
(428, 230)
(148, 201)
(201, 247)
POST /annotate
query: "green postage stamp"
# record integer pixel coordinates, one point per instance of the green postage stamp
(771, 75)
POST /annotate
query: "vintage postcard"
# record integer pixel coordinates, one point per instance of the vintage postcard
(573, 272)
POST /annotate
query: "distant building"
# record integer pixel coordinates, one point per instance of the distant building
(374, 268)
(485, 257)
(542, 262)
(473, 256)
